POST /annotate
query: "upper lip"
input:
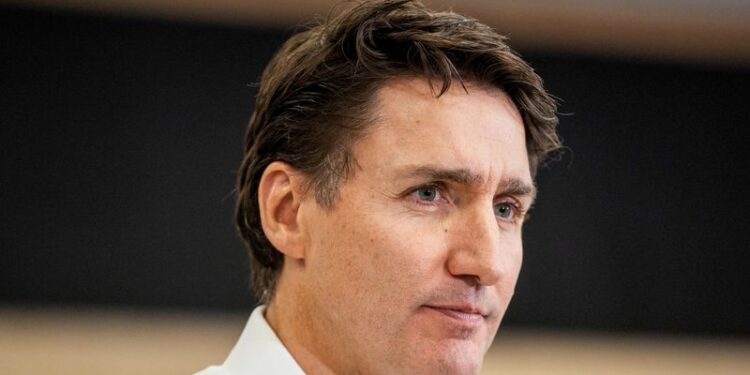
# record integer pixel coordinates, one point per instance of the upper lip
(466, 308)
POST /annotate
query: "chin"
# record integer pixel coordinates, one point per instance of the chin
(454, 366)
(456, 357)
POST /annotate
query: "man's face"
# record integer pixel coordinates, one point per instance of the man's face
(413, 267)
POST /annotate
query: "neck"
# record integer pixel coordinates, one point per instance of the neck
(285, 316)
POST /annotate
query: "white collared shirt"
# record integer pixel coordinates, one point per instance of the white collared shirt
(258, 351)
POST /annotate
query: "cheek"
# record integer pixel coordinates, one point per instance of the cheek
(380, 253)
(385, 248)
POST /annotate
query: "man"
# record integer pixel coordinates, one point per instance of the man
(388, 168)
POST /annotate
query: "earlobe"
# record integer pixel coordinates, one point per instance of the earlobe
(279, 197)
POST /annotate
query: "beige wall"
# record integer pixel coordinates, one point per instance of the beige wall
(700, 31)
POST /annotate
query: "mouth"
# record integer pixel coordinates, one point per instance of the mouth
(463, 313)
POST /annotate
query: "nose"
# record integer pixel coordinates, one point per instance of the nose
(479, 250)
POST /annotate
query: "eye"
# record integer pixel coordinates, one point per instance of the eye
(505, 210)
(427, 193)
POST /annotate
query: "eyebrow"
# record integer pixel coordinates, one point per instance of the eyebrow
(463, 176)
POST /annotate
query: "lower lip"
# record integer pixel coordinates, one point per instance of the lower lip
(461, 316)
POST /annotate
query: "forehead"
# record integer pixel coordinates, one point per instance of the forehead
(478, 129)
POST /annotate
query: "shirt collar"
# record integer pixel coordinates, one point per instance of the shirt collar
(259, 350)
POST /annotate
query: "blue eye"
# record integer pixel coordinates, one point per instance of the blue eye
(427, 193)
(504, 210)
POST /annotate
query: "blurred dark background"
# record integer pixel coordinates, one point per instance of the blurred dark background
(121, 131)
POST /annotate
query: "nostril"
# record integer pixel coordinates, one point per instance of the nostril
(472, 280)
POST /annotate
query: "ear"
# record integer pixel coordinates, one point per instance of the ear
(279, 197)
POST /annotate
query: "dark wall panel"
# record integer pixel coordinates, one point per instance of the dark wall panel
(119, 141)
(643, 224)
(119, 138)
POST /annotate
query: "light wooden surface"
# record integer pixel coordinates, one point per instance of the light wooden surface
(126, 342)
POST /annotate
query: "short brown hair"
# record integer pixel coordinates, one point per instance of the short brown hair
(315, 95)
